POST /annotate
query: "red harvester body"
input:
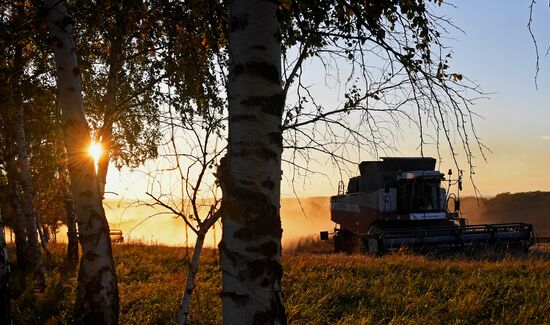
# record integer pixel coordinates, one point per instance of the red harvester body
(401, 202)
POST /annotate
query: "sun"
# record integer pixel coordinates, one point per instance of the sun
(95, 150)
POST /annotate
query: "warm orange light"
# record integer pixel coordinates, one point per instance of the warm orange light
(95, 150)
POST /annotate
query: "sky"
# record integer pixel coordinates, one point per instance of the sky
(497, 52)
(493, 49)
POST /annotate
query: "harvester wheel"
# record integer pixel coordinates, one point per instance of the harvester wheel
(344, 241)
(371, 245)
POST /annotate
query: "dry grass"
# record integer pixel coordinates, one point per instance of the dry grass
(402, 288)
(319, 288)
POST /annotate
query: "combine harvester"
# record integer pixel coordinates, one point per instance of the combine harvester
(401, 202)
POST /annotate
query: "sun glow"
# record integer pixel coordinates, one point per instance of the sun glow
(95, 150)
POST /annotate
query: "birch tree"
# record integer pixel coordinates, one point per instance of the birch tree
(97, 293)
(29, 211)
(119, 55)
(16, 156)
(250, 175)
(399, 69)
(70, 220)
(194, 148)
(128, 49)
(16, 212)
(64, 183)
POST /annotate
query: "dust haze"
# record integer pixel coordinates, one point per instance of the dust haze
(140, 223)
(529, 207)
(306, 217)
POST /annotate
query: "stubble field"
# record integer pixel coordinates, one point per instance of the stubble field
(319, 288)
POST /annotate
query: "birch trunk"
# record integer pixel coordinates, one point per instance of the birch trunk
(107, 128)
(11, 92)
(44, 235)
(115, 52)
(29, 212)
(250, 175)
(19, 224)
(97, 292)
(72, 237)
(4, 278)
(103, 163)
(190, 285)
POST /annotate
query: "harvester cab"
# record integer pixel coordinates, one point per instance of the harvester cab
(400, 202)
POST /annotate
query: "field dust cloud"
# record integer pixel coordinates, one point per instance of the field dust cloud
(141, 223)
(528, 207)
(306, 217)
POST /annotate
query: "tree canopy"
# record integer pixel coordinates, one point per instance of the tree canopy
(138, 59)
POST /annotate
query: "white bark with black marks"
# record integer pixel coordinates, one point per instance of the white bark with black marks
(97, 293)
(72, 237)
(250, 175)
(19, 223)
(190, 283)
(70, 219)
(29, 211)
